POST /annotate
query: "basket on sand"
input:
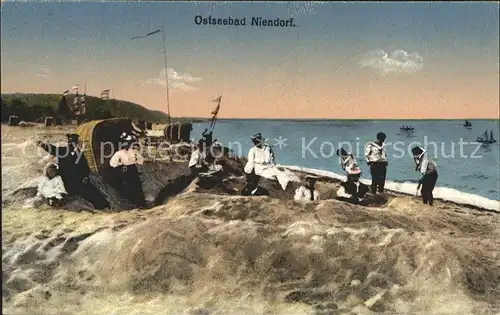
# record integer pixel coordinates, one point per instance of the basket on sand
(49, 121)
(100, 139)
(13, 120)
(180, 132)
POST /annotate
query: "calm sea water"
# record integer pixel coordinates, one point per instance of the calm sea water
(462, 164)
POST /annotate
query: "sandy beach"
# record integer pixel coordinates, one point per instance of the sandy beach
(207, 252)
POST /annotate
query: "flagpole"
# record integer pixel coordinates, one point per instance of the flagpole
(166, 71)
(215, 116)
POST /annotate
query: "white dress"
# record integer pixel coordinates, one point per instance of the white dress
(51, 188)
(126, 157)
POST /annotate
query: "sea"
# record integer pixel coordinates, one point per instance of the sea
(466, 168)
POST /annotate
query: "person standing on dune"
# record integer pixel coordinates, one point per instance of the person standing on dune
(75, 171)
(428, 168)
(129, 183)
(376, 158)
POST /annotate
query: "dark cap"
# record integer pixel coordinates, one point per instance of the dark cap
(381, 135)
(72, 136)
(341, 151)
(417, 150)
(257, 136)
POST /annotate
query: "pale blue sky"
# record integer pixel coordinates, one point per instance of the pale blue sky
(80, 40)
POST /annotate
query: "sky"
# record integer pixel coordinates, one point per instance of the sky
(341, 60)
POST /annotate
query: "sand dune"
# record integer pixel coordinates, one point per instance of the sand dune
(208, 252)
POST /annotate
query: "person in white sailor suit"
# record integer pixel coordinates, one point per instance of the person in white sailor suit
(352, 190)
(126, 161)
(428, 168)
(307, 192)
(376, 158)
(261, 163)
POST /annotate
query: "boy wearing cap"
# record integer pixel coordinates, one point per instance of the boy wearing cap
(428, 168)
(307, 192)
(75, 171)
(376, 158)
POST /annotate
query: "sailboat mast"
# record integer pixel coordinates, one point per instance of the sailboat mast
(166, 71)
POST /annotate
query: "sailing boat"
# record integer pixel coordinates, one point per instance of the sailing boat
(407, 128)
(485, 139)
(468, 124)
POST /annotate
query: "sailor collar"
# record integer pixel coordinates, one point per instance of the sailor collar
(378, 146)
(422, 154)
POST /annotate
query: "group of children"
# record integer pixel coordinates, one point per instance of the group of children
(375, 154)
(261, 163)
(70, 175)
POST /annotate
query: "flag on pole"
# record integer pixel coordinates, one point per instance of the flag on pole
(148, 34)
(105, 94)
(216, 110)
(76, 104)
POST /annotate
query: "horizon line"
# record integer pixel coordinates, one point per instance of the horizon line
(270, 118)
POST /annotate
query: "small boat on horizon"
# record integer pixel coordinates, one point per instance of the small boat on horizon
(485, 140)
(407, 128)
(467, 124)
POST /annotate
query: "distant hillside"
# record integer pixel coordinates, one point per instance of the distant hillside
(34, 107)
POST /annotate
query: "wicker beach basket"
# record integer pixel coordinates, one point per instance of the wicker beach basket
(100, 139)
(13, 120)
(49, 121)
(179, 132)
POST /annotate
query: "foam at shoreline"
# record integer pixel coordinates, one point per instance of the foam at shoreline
(444, 193)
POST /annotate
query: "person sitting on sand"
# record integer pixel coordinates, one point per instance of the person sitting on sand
(201, 161)
(347, 160)
(353, 190)
(126, 160)
(261, 162)
(75, 171)
(51, 187)
(252, 187)
(428, 168)
(307, 192)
